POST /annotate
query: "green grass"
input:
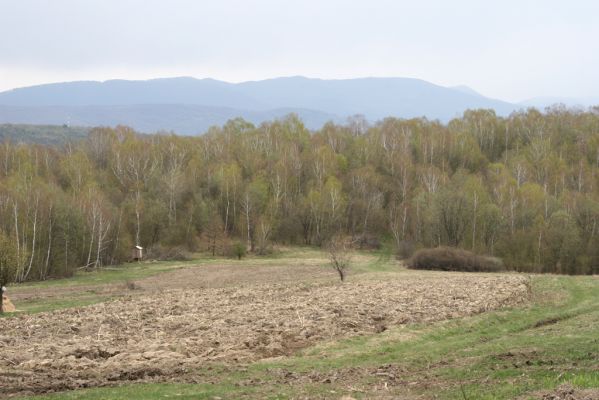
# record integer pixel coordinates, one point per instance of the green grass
(380, 264)
(130, 272)
(43, 305)
(497, 355)
(149, 391)
(118, 273)
(85, 279)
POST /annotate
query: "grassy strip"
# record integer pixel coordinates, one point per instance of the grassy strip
(118, 273)
(85, 296)
(134, 271)
(43, 305)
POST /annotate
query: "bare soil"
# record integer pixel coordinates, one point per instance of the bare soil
(188, 319)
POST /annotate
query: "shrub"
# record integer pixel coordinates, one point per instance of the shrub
(163, 253)
(238, 250)
(452, 259)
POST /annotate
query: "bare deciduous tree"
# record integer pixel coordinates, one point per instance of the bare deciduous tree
(339, 255)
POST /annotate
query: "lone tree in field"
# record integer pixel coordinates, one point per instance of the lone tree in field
(8, 264)
(339, 255)
(239, 250)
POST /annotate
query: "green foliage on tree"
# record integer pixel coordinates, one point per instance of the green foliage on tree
(239, 250)
(524, 188)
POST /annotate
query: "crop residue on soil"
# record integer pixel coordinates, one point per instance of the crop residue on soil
(164, 336)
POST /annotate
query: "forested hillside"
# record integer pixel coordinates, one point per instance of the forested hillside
(524, 188)
(44, 134)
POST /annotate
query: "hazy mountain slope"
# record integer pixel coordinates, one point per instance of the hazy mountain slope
(184, 119)
(189, 105)
(121, 92)
(466, 89)
(376, 98)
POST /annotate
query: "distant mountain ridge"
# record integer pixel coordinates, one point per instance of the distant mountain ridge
(188, 105)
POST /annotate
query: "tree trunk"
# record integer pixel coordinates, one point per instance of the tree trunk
(474, 222)
(116, 240)
(32, 240)
(102, 232)
(247, 217)
(91, 243)
(66, 247)
(138, 221)
(16, 213)
(227, 211)
(44, 273)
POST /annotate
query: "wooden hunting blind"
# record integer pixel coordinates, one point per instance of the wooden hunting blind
(137, 253)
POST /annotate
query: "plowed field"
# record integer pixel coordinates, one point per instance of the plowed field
(186, 319)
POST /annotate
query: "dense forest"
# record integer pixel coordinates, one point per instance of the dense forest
(44, 134)
(524, 188)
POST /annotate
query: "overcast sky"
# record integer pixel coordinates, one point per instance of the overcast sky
(508, 49)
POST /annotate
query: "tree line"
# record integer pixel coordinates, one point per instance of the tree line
(524, 188)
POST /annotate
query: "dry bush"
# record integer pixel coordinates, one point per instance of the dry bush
(163, 253)
(452, 259)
